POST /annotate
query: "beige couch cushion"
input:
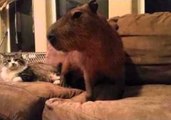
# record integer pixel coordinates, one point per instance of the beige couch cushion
(145, 24)
(150, 102)
(147, 43)
(146, 37)
(25, 101)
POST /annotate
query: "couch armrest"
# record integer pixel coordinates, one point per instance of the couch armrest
(25, 101)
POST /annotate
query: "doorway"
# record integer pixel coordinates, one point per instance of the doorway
(152, 6)
(21, 26)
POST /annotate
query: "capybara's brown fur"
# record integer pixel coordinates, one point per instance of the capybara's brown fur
(93, 47)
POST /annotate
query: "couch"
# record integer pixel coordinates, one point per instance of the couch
(147, 44)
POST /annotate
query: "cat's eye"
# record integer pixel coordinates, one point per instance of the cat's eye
(15, 59)
(9, 60)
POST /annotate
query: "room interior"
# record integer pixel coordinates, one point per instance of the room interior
(48, 12)
(144, 28)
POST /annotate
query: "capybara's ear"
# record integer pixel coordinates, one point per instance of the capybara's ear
(93, 6)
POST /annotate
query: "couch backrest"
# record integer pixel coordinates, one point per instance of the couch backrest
(147, 43)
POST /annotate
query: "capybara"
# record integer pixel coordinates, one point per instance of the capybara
(93, 47)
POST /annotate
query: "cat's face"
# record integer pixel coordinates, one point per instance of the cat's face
(13, 62)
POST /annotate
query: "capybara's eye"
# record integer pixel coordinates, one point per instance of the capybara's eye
(77, 15)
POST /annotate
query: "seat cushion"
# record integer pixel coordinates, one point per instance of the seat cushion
(144, 24)
(147, 43)
(25, 101)
(149, 102)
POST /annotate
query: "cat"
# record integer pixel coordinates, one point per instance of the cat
(16, 69)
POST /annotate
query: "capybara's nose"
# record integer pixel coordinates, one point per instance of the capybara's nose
(52, 38)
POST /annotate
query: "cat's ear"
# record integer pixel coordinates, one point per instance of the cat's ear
(2, 54)
(19, 54)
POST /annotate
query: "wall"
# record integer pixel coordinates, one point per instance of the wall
(50, 12)
(122, 7)
(39, 13)
(44, 16)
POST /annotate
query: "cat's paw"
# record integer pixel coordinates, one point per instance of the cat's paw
(17, 79)
(55, 79)
(56, 82)
(53, 76)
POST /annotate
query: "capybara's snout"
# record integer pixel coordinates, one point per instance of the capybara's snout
(52, 35)
(53, 39)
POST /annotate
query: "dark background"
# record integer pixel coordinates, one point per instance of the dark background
(152, 6)
(22, 28)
